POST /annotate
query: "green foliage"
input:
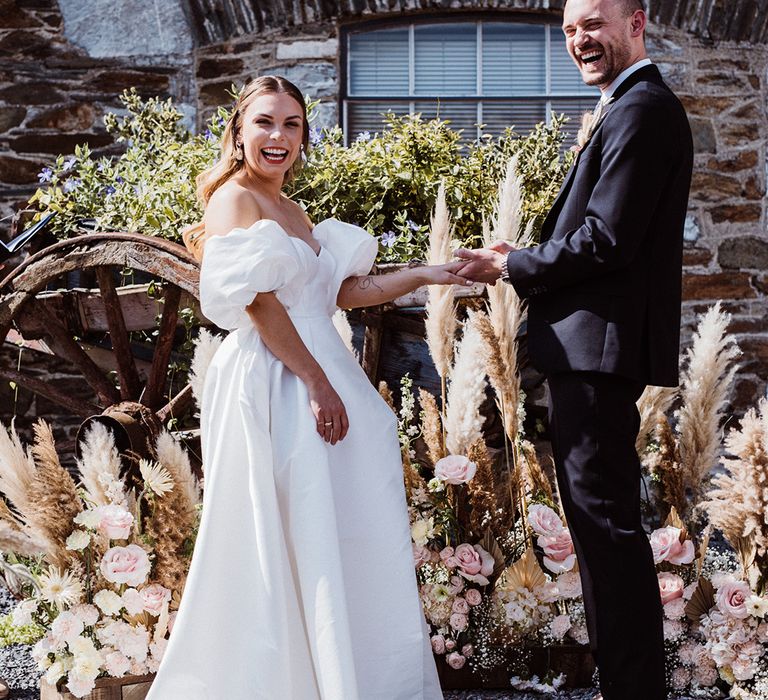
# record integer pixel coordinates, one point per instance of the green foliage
(24, 634)
(150, 188)
(386, 183)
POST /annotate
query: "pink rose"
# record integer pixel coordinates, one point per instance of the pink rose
(675, 609)
(450, 645)
(467, 650)
(666, 546)
(544, 521)
(421, 555)
(154, 596)
(732, 599)
(474, 563)
(569, 585)
(456, 585)
(115, 521)
(438, 644)
(455, 660)
(473, 597)
(558, 551)
(125, 565)
(460, 606)
(446, 553)
(459, 622)
(670, 586)
(455, 469)
(133, 602)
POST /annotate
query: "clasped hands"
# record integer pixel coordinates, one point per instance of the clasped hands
(484, 264)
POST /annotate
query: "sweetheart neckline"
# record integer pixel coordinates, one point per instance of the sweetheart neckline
(298, 238)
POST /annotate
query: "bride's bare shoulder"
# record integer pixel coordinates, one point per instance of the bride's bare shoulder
(230, 206)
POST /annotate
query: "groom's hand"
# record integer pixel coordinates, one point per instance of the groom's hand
(484, 264)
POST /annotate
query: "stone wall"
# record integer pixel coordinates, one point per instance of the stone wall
(57, 78)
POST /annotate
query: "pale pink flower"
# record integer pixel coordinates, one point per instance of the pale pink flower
(452, 563)
(672, 629)
(706, 676)
(685, 653)
(438, 644)
(474, 563)
(138, 668)
(579, 633)
(473, 597)
(666, 546)
(88, 613)
(732, 599)
(157, 649)
(670, 587)
(558, 551)
(125, 565)
(688, 591)
(459, 622)
(456, 660)
(681, 677)
(133, 601)
(446, 553)
(67, 627)
(115, 521)
(467, 650)
(117, 664)
(544, 521)
(79, 685)
(675, 609)
(548, 593)
(455, 585)
(743, 670)
(421, 555)
(569, 584)
(154, 596)
(460, 605)
(455, 469)
(560, 626)
(450, 644)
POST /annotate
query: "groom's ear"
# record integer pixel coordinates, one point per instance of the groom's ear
(638, 23)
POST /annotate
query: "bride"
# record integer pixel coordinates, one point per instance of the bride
(301, 585)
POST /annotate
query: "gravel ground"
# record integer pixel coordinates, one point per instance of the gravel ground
(21, 674)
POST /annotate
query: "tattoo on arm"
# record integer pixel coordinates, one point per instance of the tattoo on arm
(365, 283)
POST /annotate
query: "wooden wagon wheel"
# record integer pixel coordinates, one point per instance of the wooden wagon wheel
(93, 330)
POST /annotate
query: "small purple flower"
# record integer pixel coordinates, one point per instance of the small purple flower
(69, 163)
(388, 239)
(363, 136)
(119, 180)
(109, 190)
(315, 136)
(412, 225)
(45, 175)
(102, 166)
(221, 121)
(72, 184)
(208, 134)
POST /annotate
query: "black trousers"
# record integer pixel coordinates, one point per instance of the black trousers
(594, 424)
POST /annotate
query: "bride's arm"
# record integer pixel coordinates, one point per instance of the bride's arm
(237, 209)
(370, 290)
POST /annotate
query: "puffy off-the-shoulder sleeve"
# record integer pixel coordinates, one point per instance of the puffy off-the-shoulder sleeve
(240, 265)
(353, 249)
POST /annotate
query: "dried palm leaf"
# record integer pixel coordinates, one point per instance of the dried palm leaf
(524, 573)
(701, 602)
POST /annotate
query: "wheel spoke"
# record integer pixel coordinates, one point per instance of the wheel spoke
(64, 345)
(157, 375)
(130, 385)
(177, 405)
(81, 408)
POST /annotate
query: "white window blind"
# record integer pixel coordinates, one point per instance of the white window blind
(481, 76)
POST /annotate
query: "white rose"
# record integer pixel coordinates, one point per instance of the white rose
(88, 518)
(22, 613)
(79, 539)
(133, 601)
(108, 602)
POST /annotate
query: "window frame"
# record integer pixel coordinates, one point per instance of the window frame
(410, 21)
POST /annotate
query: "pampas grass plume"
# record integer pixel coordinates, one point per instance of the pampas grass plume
(99, 458)
(206, 345)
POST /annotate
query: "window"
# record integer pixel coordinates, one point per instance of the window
(483, 76)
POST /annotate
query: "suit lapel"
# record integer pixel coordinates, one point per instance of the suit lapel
(646, 73)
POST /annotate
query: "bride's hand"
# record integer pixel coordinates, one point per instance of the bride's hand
(331, 419)
(444, 274)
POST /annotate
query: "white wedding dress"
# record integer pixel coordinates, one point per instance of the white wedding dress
(302, 584)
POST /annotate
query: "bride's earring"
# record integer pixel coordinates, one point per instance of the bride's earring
(239, 152)
(303, 154)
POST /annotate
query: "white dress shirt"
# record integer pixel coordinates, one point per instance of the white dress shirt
(621, 77)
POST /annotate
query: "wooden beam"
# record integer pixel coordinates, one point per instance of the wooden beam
(157, 375)
(78, 407)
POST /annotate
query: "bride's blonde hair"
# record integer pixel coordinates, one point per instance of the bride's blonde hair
(228, 165)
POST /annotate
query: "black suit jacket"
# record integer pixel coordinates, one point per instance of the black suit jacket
(604, 284)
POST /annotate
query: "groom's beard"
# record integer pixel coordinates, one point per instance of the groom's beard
(603, 72)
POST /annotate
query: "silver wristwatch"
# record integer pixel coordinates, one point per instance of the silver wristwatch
(504, 271)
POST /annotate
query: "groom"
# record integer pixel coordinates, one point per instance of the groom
(603, 291)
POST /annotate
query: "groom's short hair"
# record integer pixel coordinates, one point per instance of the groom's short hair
(631, 6)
